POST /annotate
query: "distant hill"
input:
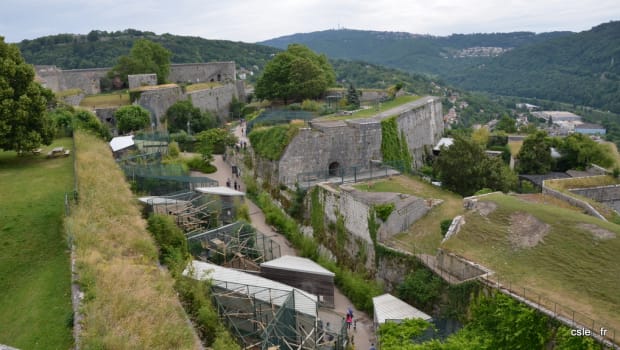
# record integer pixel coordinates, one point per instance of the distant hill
(577, 68)
(581, 69)
(102, 49)
(415, 53)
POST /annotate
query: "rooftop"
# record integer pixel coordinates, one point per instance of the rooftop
(253, 286)
(295, 263)
(388, 308)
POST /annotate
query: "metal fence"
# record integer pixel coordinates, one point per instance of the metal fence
(342, 175)
(601, 331)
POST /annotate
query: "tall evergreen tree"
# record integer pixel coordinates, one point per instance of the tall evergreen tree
(353, 98)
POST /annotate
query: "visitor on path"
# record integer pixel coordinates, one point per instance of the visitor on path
(228, 182)
(372, 347)
(235, 185)
(349, 321)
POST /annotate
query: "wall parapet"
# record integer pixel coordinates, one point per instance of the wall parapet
(572, 200)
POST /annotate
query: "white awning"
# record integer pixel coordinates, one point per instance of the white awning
(390, 308)
(220, 191)
(121, 142)
(253, 285)
(295, 263)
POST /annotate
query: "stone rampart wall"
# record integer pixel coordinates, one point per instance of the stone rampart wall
(608, 195)
(138, 80)
(216, 99)
(158, 101)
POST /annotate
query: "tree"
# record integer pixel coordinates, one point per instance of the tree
(216, 140)
(578, 151)
(464, 168)
(481, 136)
(184, 111)
(24, 123)
(506, 124)
(535, 154)
(131, 118)
(145, 57)
(353, 98)
(295, 74)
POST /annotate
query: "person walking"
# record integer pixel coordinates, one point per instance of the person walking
(349, 320)
(372, 347)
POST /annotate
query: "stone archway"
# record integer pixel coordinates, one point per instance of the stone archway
(334, 169)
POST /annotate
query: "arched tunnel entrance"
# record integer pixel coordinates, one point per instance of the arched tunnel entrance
(334, 169)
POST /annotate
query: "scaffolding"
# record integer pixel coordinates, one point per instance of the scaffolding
(265, 314)
(237, 245)
(192, 211)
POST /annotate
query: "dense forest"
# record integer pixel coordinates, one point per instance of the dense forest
(581, 69)
(577, 68)
(414, 53)
(102, 49)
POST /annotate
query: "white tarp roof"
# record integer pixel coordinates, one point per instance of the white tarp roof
(295, 263)
(389, 307)
(220, 191)
(121, 142)
(154, 200)
(253, 285)
(444, 141)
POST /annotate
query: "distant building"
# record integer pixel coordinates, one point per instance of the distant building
(590, 129)
(560, 116)
(527, 106)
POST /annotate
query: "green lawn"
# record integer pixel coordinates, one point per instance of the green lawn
(35, 294)
(571, 265)
(369, 112)
(424, 234)
(116, 99)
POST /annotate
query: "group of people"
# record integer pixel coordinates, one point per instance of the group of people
(236, 186)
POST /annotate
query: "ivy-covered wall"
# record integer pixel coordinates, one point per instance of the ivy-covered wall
(394, 146)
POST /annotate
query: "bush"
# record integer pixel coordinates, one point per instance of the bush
(171, 241)
(199, 164)
(384, 210)
(311, 105)
(173, 149)
(445, 225)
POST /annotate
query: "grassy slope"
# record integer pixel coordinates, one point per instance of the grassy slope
(35, 278)
(369, 112)
(129, 301)
(570, 266)
(424, 234)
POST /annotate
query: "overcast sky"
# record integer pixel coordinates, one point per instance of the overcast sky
(256, 20)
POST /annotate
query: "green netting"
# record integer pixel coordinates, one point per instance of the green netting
(278, 116)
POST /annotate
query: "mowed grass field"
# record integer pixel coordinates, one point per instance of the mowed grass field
(425, 234)
(576, 263)
(35, 275)
(116, 99)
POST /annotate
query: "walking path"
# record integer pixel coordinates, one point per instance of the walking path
(364, 333)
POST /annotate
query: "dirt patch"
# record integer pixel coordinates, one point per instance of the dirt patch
(597, 231)
(485, 208)
(526, 231)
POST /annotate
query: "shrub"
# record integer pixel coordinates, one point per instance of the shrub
(173, 149)
(384, 210)
(199, 164)
(445, 225)
(311, 105)
(171, 241)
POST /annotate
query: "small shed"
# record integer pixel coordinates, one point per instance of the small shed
(443, 142)
(389, 308)
(302, 273)
(227, 196)
(121, 144)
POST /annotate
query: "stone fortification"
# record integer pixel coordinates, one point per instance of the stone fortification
(157, 101)
(137, 80)
(353, 208)
(608, 195)
(88, 80)
(216, 99)
(345, 144)
(202, 72)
